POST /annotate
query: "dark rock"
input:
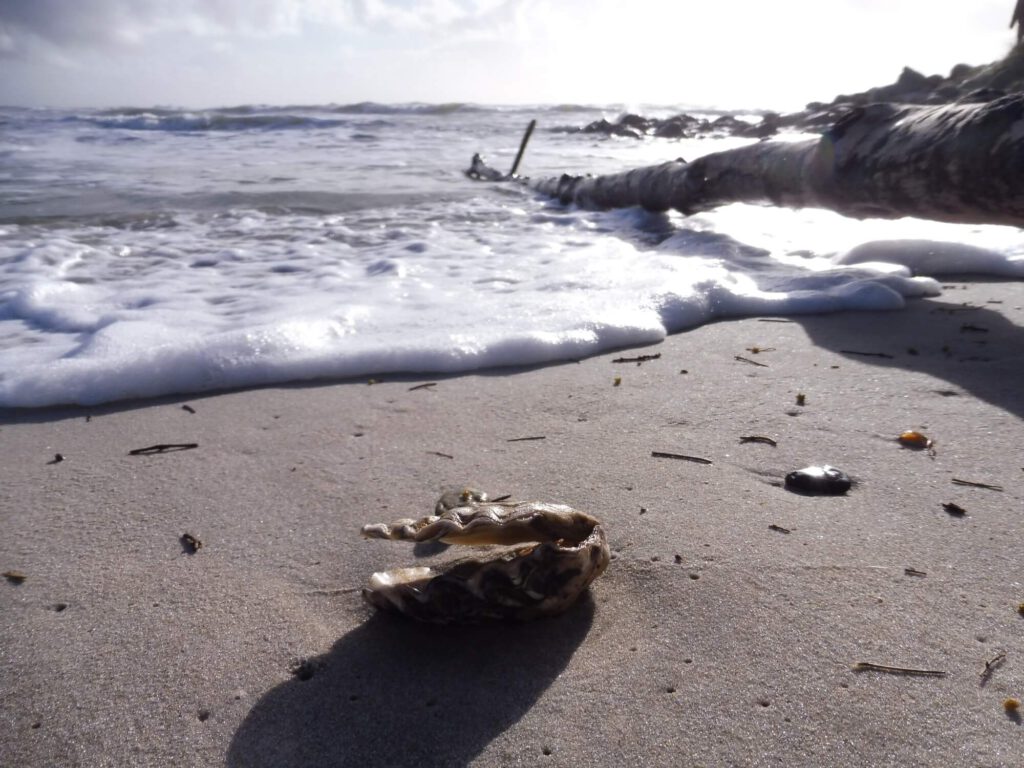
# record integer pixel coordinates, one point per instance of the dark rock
(823, 480)
(637, 123)
(911, 80)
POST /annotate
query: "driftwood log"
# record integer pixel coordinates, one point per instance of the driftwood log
(961, 162)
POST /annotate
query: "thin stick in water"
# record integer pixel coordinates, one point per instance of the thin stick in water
(522, 147)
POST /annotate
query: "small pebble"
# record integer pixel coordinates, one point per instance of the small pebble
(824, 480)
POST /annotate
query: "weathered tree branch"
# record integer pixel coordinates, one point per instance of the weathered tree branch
(956, 162)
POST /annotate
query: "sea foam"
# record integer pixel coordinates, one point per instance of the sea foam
(283, 253)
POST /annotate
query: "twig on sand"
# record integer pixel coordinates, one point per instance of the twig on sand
(428, 385)
(990, 667)
(442, 455)
(778, 528)
(914, 572)
(680, 456)
(748, 360)
(638, 360)
(868, 666)
(163, 448)
(758, 439)
(970, 484)
(525, 439)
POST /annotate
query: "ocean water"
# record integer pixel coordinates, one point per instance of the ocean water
(146, 252)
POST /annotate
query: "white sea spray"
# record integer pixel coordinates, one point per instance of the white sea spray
(150, 252)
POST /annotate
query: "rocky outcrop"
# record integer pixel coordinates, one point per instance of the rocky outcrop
(959, 162)
(682, 126)
(964, 84)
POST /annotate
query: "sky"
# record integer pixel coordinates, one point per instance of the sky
(726, 53)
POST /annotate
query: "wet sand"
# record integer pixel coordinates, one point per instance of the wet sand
(714, 638)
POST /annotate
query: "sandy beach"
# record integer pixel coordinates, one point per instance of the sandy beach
(725, 631)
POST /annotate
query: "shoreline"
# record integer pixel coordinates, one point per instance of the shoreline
(712, 638)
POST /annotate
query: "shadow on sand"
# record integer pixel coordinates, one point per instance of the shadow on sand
(396, 693)
(968, 349)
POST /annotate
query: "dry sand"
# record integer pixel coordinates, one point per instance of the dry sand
(713, 639)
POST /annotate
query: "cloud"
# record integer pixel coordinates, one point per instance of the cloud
(103, 23)
(28, 25)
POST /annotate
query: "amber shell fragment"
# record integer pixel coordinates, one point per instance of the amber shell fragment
(913, 439)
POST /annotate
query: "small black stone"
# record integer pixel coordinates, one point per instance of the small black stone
(823, 480)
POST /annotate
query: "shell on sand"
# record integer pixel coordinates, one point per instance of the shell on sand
(549, 554)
